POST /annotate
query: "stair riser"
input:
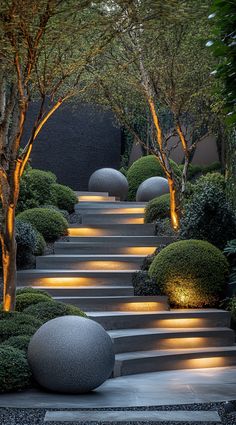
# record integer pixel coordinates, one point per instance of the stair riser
(77, 292)
(114, 305)
(90, 206)
(105, 249)
(173, 362)
(96, 198)
(139, 322)
(100, 210)
(156, 342)
(112, 219)
(115, 278)
(121, 241)
(71, 264)
(113, 230)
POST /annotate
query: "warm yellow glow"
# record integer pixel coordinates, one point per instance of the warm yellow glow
(136, 210)
(85, 231)
(180, 323)
(139, 220)
(205, 362)
(143, 306)
(92, 198)
(7, 302)
(138, 250)
(63, 281)
(103, 265)
(178, 343)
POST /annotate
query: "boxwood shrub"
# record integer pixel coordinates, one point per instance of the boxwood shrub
(17, 324)
(51, 224)
(15, 373)
(191, 273)
(21, 342)
(65, 197)
(40, 244)
(142, 169)
(45, 311)
(157, 209)
(24, 300)
(30, 290)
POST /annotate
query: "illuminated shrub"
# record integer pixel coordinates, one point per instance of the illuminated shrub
(51, 224)
(24, 300)
(36, 189)
(50, 310)
(65, 197)
(142, 169)
(157, 208)
(15, 373)
(191, 273)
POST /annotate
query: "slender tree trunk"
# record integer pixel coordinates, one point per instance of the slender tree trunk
(174, 205)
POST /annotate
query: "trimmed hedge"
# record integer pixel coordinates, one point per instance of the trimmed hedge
(65, 197)
(51, 224)
(26, 240)
(191, 273)
(142, 169)
(50, 310)
(40, 244)
(65, 213)
(15, 373)
(30, 290)
(157, 209)
(21, 342)
(18, 324)
(36, 189)
(24, 300)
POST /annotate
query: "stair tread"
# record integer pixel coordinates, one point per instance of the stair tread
(125, 297)
(159, 353)
(70, 271)
(102, 256)
(161, 331)
(153, 313)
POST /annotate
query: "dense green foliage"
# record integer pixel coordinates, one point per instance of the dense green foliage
(21, 342)
(142, 169)
(17, 324)
(208, 215)
(24, 300)
(50, 310)
(65, 197)
(30, 290)
(157, 208)
(191, 273)
(51, 224)
(65, 213)
(36, 189)
(144, 285)
(230, 305)
(26, 240)
(14, 369)
(40, 244)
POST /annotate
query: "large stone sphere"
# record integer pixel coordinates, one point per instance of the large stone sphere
(111, 181)
(71, 354)
(152, 188)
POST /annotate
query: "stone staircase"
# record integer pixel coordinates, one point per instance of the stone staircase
(93, 270)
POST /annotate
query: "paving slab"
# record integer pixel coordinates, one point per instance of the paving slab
(129, 416)
(151, 389)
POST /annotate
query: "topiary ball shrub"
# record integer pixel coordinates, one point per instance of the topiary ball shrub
(51, 224)
(36, 189)
(24, 300)
(208, 215)
(15, 373)
(17, 324)
(144, 285)
(26, 243)
(65, 213)
(142, 169)
(191, 273)
(65, 197)
(30, 290)
(50, 310)
(157, 209)
(21, 342)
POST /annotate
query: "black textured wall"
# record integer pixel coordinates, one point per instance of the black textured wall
(76, 141)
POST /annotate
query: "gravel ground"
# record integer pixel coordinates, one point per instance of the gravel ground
(227, 413)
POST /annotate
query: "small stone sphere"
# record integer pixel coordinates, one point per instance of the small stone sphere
(152, 188)
(71, 354)
(111, 181)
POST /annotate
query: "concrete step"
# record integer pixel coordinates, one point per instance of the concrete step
(123, 303)
(101, 248)
(136, 218)
(112, 230)
(132, 417)
(160, 360)
(115, 209)
(174, 319)
(96, 198)
(90, 206)
(51, 278)
(90, 262)
(81, 193)
(88, 291)
(118, 240)
(128, 340)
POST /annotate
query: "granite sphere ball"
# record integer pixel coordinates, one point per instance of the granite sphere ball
(71, 354)
(152, 188)
(111, 181)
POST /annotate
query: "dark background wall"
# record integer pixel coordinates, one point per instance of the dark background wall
(76, 141)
